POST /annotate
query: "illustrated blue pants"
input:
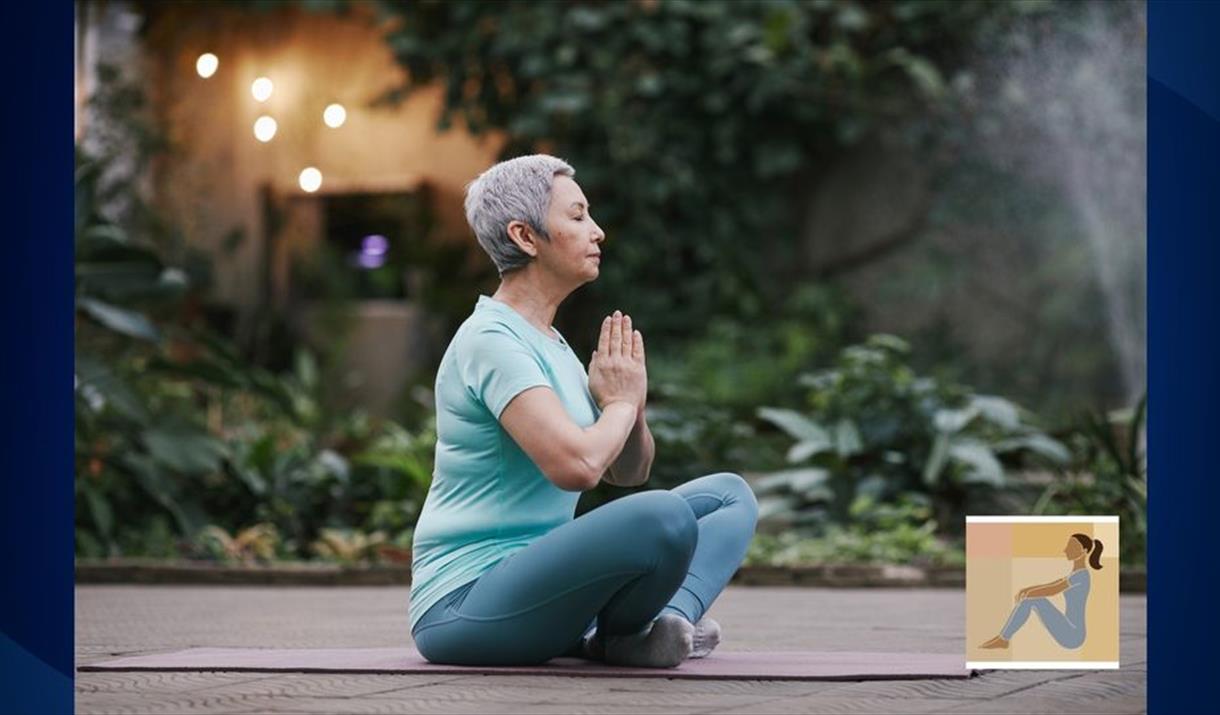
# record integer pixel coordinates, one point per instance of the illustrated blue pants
(614, 568)
(1061, 629)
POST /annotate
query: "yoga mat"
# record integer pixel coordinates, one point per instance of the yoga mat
(720, 665)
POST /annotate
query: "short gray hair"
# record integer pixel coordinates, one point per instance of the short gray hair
(514, 190)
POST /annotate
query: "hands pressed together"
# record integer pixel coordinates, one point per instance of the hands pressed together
(617, 372)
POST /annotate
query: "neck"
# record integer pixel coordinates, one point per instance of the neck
(535, 296)
(1079, 563)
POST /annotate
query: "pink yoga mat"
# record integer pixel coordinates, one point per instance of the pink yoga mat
(720, 665)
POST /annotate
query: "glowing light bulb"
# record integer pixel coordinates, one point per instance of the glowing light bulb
(334, 116)
(310, 179)
(264, 128)
(206, 64)
(261, 89)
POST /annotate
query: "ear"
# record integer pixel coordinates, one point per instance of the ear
(520, 233)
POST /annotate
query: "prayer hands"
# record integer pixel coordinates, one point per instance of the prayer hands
(617, 371)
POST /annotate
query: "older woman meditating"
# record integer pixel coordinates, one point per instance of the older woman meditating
(502, 573)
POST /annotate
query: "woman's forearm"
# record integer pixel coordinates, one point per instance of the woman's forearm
(1046, 589)
(634, 463)
(605, 440)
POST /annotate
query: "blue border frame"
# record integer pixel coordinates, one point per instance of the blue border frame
(1184, 352)
(36, 603)
(36, 297)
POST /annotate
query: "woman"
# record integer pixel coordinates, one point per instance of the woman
(1066, 628)
(502, 574)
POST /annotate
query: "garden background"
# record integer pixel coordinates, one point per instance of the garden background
(888, 258)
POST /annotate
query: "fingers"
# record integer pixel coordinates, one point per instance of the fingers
(619, 338)
(603, 341)
(616, 334)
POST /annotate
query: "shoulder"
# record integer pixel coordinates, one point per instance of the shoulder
(485, 331)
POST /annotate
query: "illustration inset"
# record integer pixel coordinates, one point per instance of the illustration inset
(1042, 592)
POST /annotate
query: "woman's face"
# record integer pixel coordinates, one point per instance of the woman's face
(575, 247)
(1073, 550)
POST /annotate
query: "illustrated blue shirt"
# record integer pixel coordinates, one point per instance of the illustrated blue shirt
(1076, 596)
(488, 499)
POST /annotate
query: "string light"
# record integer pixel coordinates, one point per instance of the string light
(310, 179)
(334, 116)
(261, 89)
(264, 128)
(206, 64)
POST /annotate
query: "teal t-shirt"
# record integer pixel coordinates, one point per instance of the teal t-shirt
(488, 499)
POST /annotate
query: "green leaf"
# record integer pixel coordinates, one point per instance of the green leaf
(925, 74)
(805, 449)
(952, 421)
(1038, 443)
(120, 320)
(978, 457)
(795, 424)
(847, 438)
(184, 451)
(104, 233)
(99, 509)
(307, 369)
(92, 374)
(773, 506)
(792, 480)
(936, 459)
(165, 491)
(997, 410)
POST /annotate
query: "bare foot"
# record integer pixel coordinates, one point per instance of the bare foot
(997, 642)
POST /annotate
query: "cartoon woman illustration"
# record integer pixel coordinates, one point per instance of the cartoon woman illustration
(1066, 628)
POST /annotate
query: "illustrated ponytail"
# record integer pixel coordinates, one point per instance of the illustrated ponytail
(1095, 557)
(1092, 547)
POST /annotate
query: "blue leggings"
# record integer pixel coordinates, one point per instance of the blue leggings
(615, 568)
(1065, 633)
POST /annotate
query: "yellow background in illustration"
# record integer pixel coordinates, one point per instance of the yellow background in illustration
(1002, 558)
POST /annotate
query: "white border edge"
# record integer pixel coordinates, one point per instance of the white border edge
(1041, 519)
(1042, 665)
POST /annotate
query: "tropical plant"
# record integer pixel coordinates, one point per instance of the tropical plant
(254, 543)
(898, 533)
(171, 419)
(127, 429)
(348, 546)
(877, 428)
(1108, 475)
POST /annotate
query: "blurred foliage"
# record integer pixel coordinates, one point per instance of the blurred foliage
(705, 391)
(1108, 475)
(255, 543)
(691, 123)
(898, 533)
(176, 431)
(697, 128)
(347, 546)
(872, 426)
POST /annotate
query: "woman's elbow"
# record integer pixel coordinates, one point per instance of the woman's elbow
(576, 475)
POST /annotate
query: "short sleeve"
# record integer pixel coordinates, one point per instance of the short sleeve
(496, 367)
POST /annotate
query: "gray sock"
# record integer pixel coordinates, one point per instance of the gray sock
(706, 638)
(665, 645)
